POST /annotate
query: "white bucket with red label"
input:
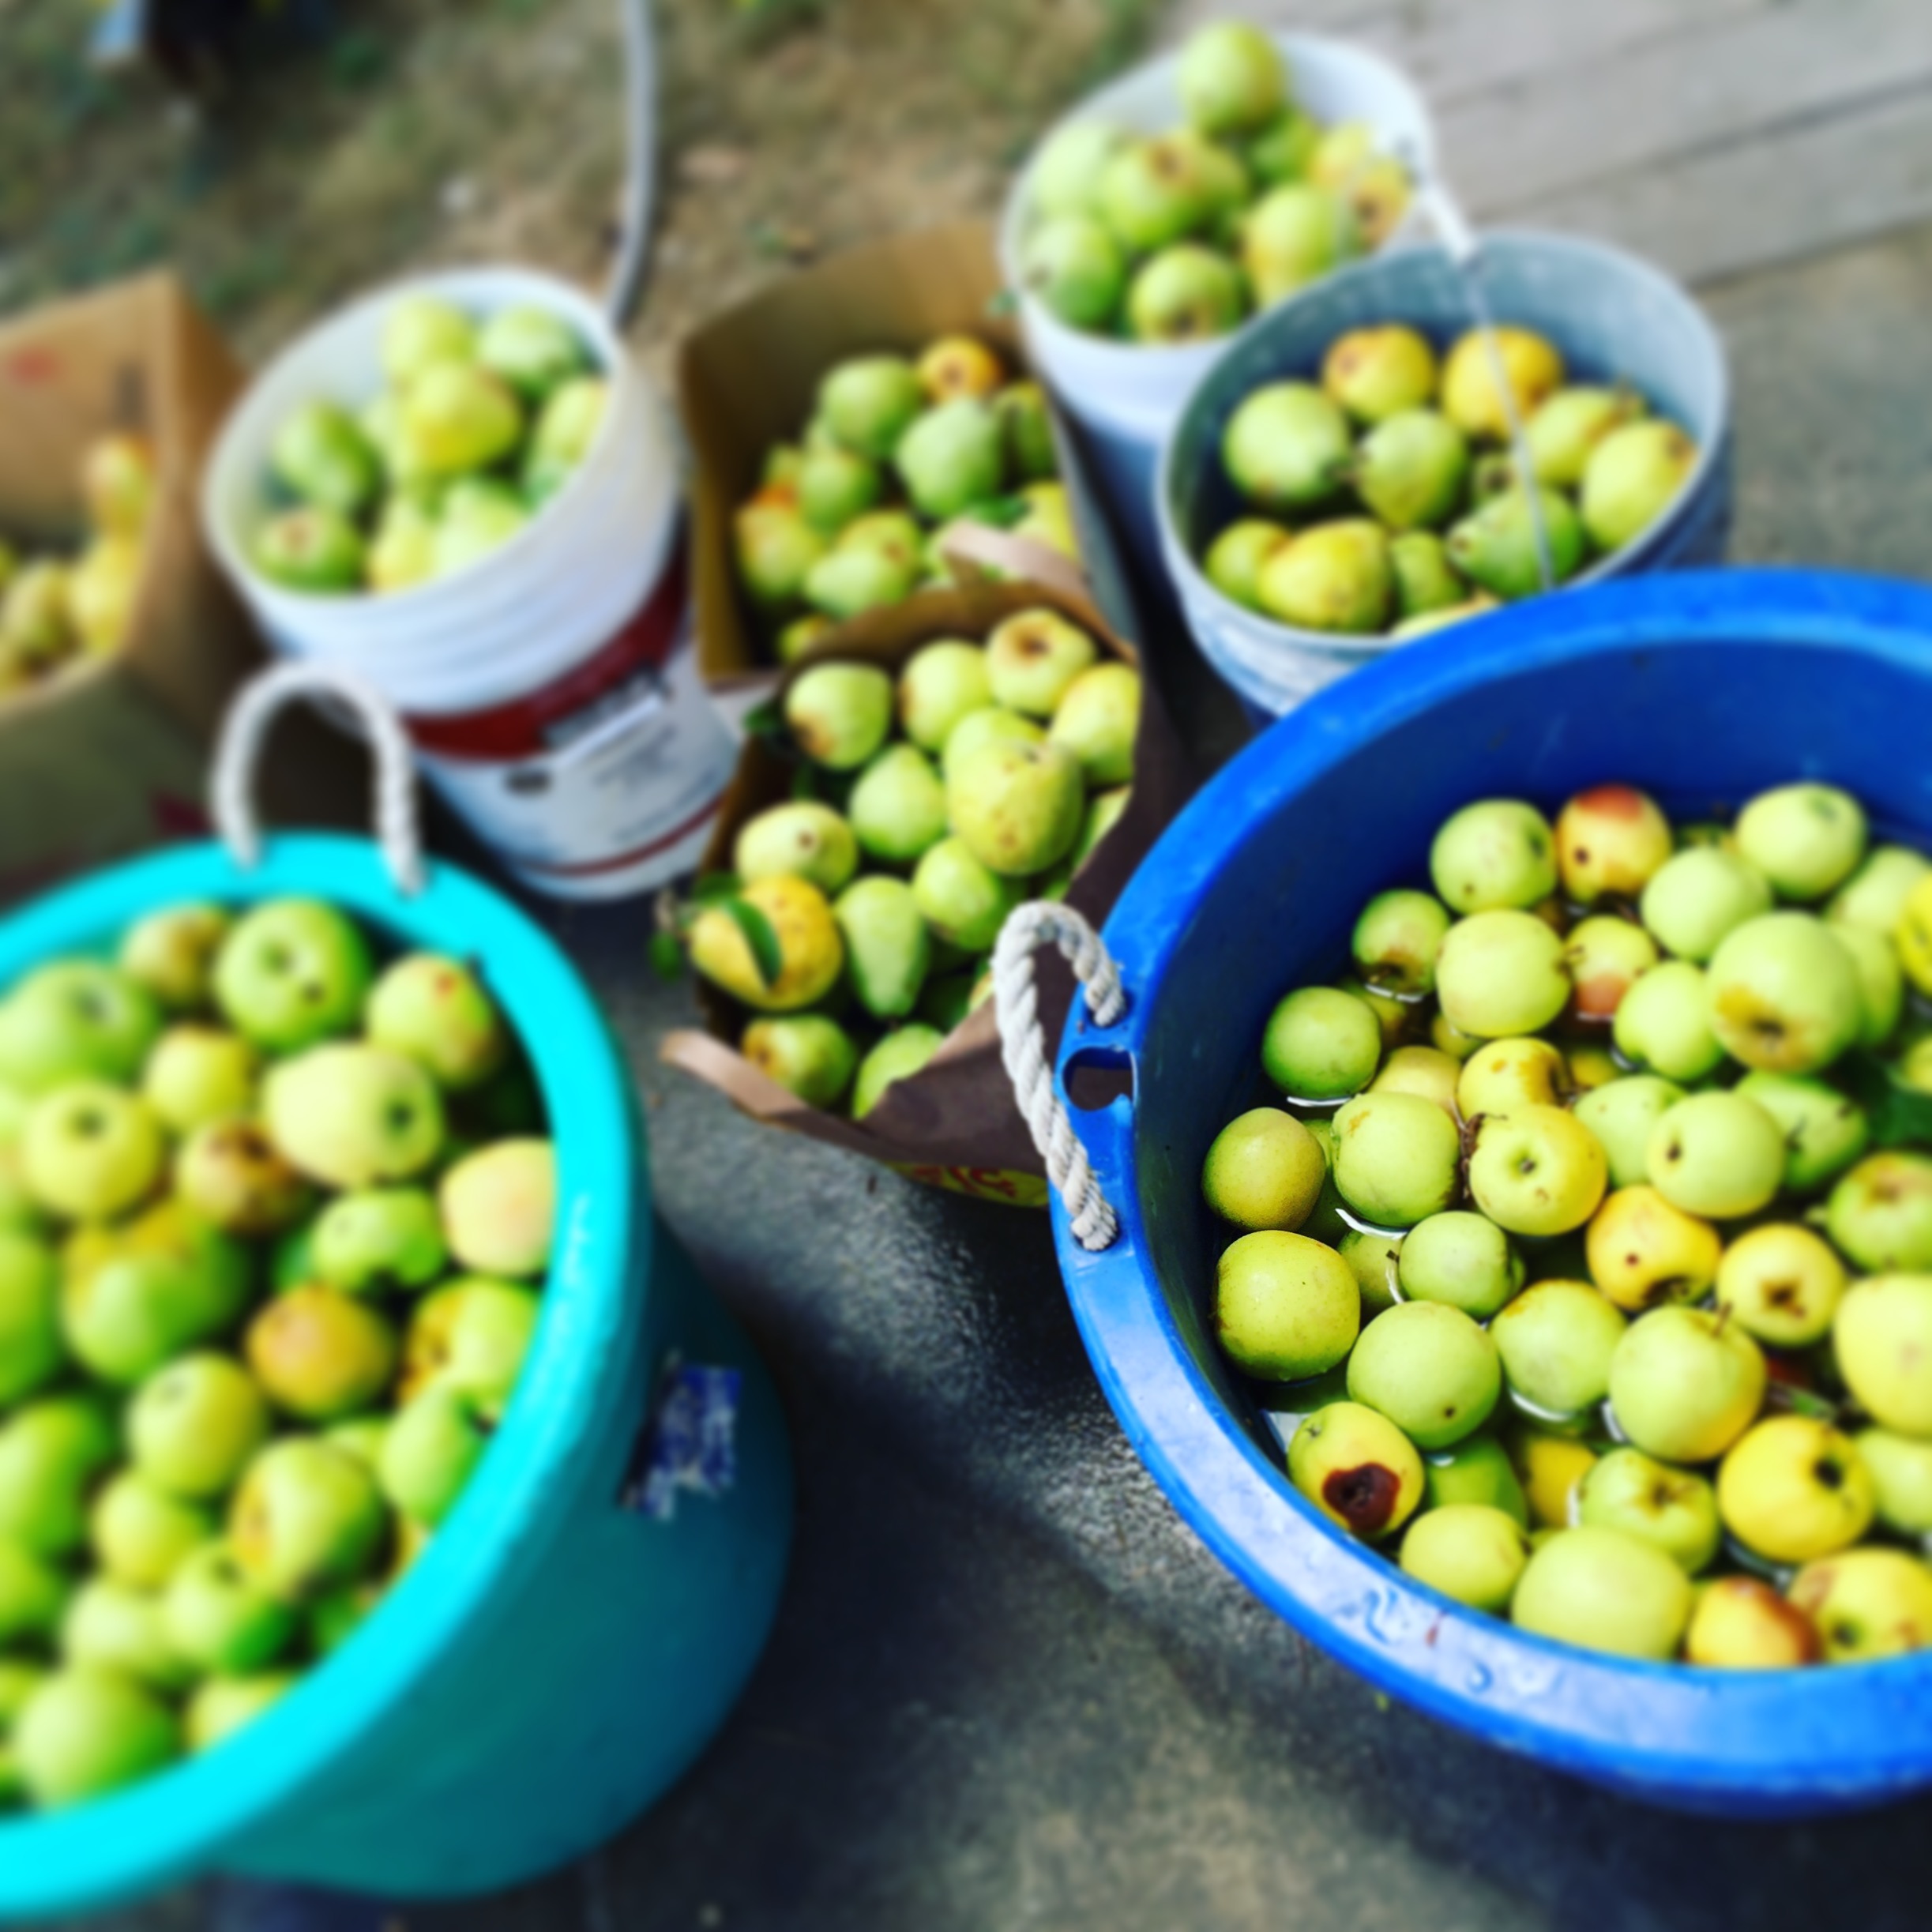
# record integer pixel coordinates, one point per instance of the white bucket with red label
(551, 688)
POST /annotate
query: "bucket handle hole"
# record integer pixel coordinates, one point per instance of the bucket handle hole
(1097, 1077)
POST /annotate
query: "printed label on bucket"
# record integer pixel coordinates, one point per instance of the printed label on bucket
(614, 766)
(690, 1442)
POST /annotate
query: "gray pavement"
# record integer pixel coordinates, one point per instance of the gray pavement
(1008, 1690)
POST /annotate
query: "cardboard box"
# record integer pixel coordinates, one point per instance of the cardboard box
(748, 378)
(953, 1124)
(108, 756)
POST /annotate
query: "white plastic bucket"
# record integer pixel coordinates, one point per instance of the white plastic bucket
(551, 688)
(1125, 395)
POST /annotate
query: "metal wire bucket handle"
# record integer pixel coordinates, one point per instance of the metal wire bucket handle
(231, 801)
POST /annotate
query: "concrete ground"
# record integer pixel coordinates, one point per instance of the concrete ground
(1007, 1689)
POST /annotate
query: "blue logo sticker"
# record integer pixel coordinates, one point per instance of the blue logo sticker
(690, 1442)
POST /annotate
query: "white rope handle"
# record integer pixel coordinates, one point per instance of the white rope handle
(1015, 1005)
(231, 788)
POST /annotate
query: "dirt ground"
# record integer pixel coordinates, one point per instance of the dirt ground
(415, 132)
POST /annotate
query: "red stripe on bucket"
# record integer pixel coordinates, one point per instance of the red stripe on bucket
(635, 856)
(519, 729)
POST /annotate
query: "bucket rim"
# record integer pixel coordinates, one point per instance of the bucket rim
(1789, 1742)
(181, 1818)
(1199, 593)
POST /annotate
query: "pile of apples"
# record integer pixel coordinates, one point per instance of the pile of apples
(274, 1218)
(1399, 473)
(480, 423)
(1179, 237)
(1590, 1228)
(848, 518)
(56, 611)
(872, 898)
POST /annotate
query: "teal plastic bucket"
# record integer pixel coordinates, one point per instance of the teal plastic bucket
(557, 1654)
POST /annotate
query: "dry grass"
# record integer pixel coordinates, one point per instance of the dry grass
(427, 131)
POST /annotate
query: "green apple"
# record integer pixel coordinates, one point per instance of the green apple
(290, 973)
(34, 1594)
(992, 726)
(1501, 972)
(1430, 1369)
(1685, 1384)
(86, 1732)
(1232, 78)
(1792, 1488)
(319, 1354)
(1604, 1590)
(775, 551)
(51, 1452)
(1699, 895)
(499, 1208)
(1719, 1154)
(1412, 470)
(1785, 994)
(1900, 1467)
(1882, 1335)
(888, 948)
(1564, 432)
(1642, 1251)
(140, 1533)
(1880, 982)
(897, 809)
(1664, 1023)
(431, 1450)
(420, 330)
(1673, 1509)
(1018, 807)
(1475, 1470)
(942, 683)
(1032, 660)
(472, 1335)
(1357, 1468)
(1336, 577)
(1295, 235)
(90, 1150)
(1072, 264)
(1880, 1214)
(1621, 1114)
(111, 1626)
(198, 1074)
(1555, 1341)
(530, 348)
(835, 486)
(839, 714)
(1377, 373)
(869, 402)
(1375, 1261)
(1321, 1044)
(1426, 1071)
(1185, 292)
(1397, 939)
(193, 1424)
(435, 1009)
(32, 1351)
(1065, 176)
(308, 1519)
(134, 1296)
(1866, 1603)
(963, 902)
(320, 455)
(75, 1020)
(1806, 839)
(232, 1175)
(1236, 558)
(1606, 956)
(1875, 894)
(1504, 1074)
(1741, 1623)
(350, 1115)
(1469, 1551)
(1285, 1307)
(1098, 719)
(1499, 853)
(1461, 1259)
(1287, 447)
(220, 1706)
(171, 953)
(379, 1239)
(802, 839)
(1537, 1170)
(1781, 1283)
(456, 418)
(313, 550)
(1632, 478)
(951, 457)
(1156, 190)
(1264, 1170)
(900, 1054)
(1397, 1158)
(1611, 840)
(1824, 1130)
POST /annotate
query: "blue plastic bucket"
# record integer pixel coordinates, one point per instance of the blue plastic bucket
(554, 1659)
(1702, 688)
(1615, 317)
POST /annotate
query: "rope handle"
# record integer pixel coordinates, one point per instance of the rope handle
(245, 731)
(1016, 1004)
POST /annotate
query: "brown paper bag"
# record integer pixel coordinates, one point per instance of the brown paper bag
(953, 1124)
(747, 378)
(108, 755)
